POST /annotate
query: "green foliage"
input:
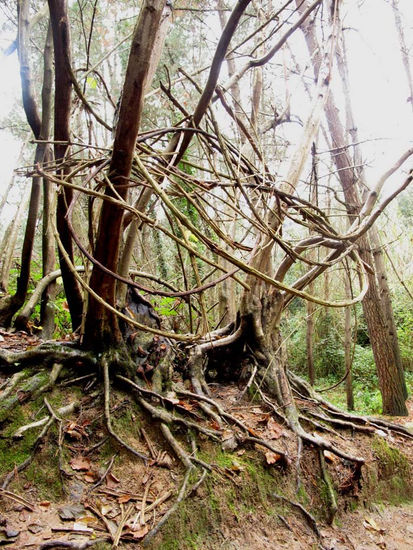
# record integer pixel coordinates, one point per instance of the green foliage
(405, 204)
(168, 307)
(328, 348)
(403, 312)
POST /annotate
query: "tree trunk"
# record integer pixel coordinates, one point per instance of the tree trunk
(391, 380)
(101, 326)
(310, 338)
(63, 103)
(348, 356)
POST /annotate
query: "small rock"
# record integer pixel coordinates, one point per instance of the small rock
(409, 426)
(12, 533)
(71, 512)
(35, 528)
(1, 338)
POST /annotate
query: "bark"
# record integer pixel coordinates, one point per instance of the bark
(378, 257)
(348, 356)
(391, 380)
(101, 326)
(310, 339)
(403, 49)
(48, 240)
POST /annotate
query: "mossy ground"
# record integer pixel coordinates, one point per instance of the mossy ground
(237, 495)
(389, 477)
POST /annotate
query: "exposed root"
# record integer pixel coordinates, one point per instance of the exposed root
(178, 450)
(69, 544)
(164, 416)
(45, 354)
(105, 366)
(305, 391)
(183, 493)
(330, 495)
(63, 411)
(309, 517)
(12, 383)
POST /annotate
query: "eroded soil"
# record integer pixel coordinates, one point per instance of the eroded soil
(81, 487)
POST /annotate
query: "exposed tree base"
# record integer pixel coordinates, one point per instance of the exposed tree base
(167, 402)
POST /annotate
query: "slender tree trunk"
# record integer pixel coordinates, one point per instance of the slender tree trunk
(391, 380)
(63, 103)
(101, 326)
(404, 49)
(310, 337)
(348, 355)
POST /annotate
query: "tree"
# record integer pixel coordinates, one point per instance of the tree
(182, 184)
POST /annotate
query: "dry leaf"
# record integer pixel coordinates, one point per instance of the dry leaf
(90, 477)
(227, 434)
(111, 481)
(187, 406)
(124, 498)
(271, 457)
(369, 523)
(44, 503)
(105, 509)
(80, 463)
(140, 533)
(87, 519)
(274, 430)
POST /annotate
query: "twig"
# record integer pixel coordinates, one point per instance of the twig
(310, 519)
(17, 498)
(102, 478)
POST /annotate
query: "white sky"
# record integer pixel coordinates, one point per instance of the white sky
(379, 88)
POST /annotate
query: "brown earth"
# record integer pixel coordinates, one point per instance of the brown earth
(99, 489)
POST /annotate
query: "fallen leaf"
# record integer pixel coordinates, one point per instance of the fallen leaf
(271, 457)
(140, 533)
(86, 520)
(90, 477)
(80, 463)
(187, 406)
(227, 434)
(124, 498)
(369, 523)
(105, 509)
(274, 430)
(111, 481)
(44, 503)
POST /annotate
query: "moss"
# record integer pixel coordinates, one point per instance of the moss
(389, 478)
(14, 453)
(302, 495)
(126, 422)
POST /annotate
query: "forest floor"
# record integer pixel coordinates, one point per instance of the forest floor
(82, 488)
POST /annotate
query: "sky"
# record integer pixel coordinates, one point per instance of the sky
(379, 88)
